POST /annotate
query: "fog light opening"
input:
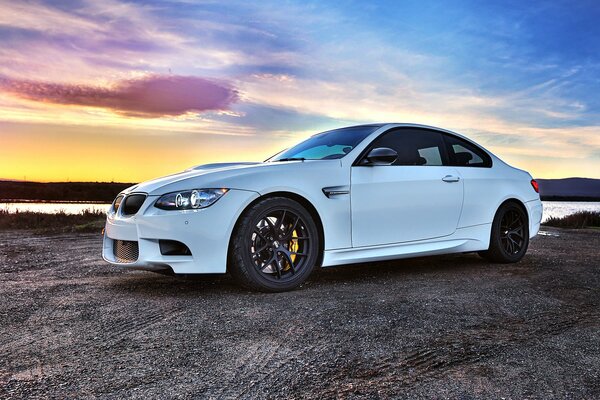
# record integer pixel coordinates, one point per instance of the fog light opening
(173, 248)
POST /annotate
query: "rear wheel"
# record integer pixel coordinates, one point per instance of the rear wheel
(510, 235)
(275, 246)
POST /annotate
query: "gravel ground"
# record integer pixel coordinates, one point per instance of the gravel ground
(439, 327)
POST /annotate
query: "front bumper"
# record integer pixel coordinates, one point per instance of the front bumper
(206, 232)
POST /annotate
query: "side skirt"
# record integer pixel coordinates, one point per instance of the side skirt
(472, 238)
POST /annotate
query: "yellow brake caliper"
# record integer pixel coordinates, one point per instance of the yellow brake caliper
(292, 247)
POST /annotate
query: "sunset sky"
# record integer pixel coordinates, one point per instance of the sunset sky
(126, 91)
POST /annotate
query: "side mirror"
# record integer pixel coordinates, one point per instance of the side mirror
(380, 156)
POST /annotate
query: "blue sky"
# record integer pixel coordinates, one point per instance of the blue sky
(522, 78)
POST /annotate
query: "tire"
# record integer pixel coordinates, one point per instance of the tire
(510, 235)
(274, 246)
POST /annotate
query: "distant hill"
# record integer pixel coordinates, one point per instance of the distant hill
(61, 191)
(583, 189)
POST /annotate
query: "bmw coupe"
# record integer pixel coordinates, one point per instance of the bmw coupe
(349, 195)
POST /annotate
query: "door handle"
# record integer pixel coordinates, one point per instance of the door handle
(451, 178)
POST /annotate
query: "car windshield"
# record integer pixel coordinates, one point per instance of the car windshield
(327, 145)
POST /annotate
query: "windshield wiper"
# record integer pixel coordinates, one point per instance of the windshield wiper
(292, 159)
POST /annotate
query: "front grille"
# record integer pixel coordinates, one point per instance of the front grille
(125, 251)
(132, 204)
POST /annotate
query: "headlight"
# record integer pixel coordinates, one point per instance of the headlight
(189, 199)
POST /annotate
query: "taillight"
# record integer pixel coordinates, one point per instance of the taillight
(535, 185)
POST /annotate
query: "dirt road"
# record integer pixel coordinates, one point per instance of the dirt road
(440, 327)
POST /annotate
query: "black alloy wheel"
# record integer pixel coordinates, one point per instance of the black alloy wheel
(512, 227)
(275, 245)
(509, 236)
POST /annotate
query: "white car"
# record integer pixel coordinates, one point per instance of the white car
(350, 195)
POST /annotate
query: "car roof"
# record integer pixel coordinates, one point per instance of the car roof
(396, 124)
(389, 125)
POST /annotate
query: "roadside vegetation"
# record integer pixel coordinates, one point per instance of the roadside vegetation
(86, 221)
(61, 191)
(581, 219)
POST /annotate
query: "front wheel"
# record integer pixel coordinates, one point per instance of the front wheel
(274, 246)
(510, 235)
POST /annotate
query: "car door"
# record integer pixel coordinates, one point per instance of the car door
(417, 197)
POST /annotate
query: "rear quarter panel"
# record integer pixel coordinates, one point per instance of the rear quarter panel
(487, 188)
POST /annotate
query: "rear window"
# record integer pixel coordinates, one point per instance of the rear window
(465, 154)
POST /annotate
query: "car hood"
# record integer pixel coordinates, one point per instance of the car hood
(227, 175)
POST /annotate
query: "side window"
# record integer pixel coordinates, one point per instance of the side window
(464, 154)
(414, 146)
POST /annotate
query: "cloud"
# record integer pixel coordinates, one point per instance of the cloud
(148, 96)
(85, 39)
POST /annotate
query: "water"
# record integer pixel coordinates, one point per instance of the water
(551, 208)
(564, 208)
(53, 208)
